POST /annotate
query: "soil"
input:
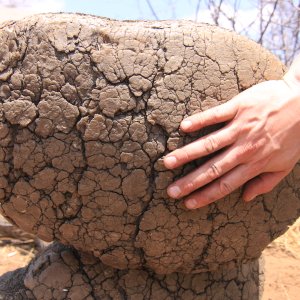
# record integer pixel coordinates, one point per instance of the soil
(282, 275)
(282, 266)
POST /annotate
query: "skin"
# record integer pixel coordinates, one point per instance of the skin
(85, 118)
(259, 143)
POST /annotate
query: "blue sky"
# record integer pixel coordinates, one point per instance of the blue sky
(138, 9)
(131, 9)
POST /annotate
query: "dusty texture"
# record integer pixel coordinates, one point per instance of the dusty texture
(282, 275)
(88, 107)
(62, 273)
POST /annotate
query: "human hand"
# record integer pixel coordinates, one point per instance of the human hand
(260, 142)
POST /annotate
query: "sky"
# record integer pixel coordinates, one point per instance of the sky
(116, 9)
(138, 9)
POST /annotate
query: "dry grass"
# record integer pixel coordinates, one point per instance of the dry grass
(16, 247)
(11, 251)
(13, 257)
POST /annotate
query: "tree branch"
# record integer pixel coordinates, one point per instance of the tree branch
(268, 23)
(197, 10)
(295, 33)
(152, 10)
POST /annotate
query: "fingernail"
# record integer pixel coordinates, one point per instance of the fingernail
(174, 191)
(191, 203)
(186, 124)
(170, 161)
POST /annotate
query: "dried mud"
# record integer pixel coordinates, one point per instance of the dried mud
(63, 273)
(88, 108)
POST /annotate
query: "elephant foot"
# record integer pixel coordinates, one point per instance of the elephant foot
(61, 272)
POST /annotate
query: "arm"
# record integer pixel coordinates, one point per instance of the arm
(262, 140)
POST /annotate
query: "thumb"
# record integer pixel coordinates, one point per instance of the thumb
(262, 184)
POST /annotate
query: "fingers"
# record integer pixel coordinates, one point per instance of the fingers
(201, 147)
(218, 114)
(203, 175)
(262, 184)
(217, 167)
(221, 187)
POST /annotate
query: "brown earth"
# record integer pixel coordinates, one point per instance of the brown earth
(282, 266)
(282, 274)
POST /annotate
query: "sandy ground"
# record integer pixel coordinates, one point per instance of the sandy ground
(282, 262)
(282, 266)
(282, 276)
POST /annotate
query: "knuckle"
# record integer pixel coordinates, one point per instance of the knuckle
(213, 172)
(245, 129)
(210, 145)
(235, 130)
(225, 188)
(189, 187)
(248, 150)
(185, 154)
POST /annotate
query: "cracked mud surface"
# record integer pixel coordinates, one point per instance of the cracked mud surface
(89, 106)
(63, 273)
